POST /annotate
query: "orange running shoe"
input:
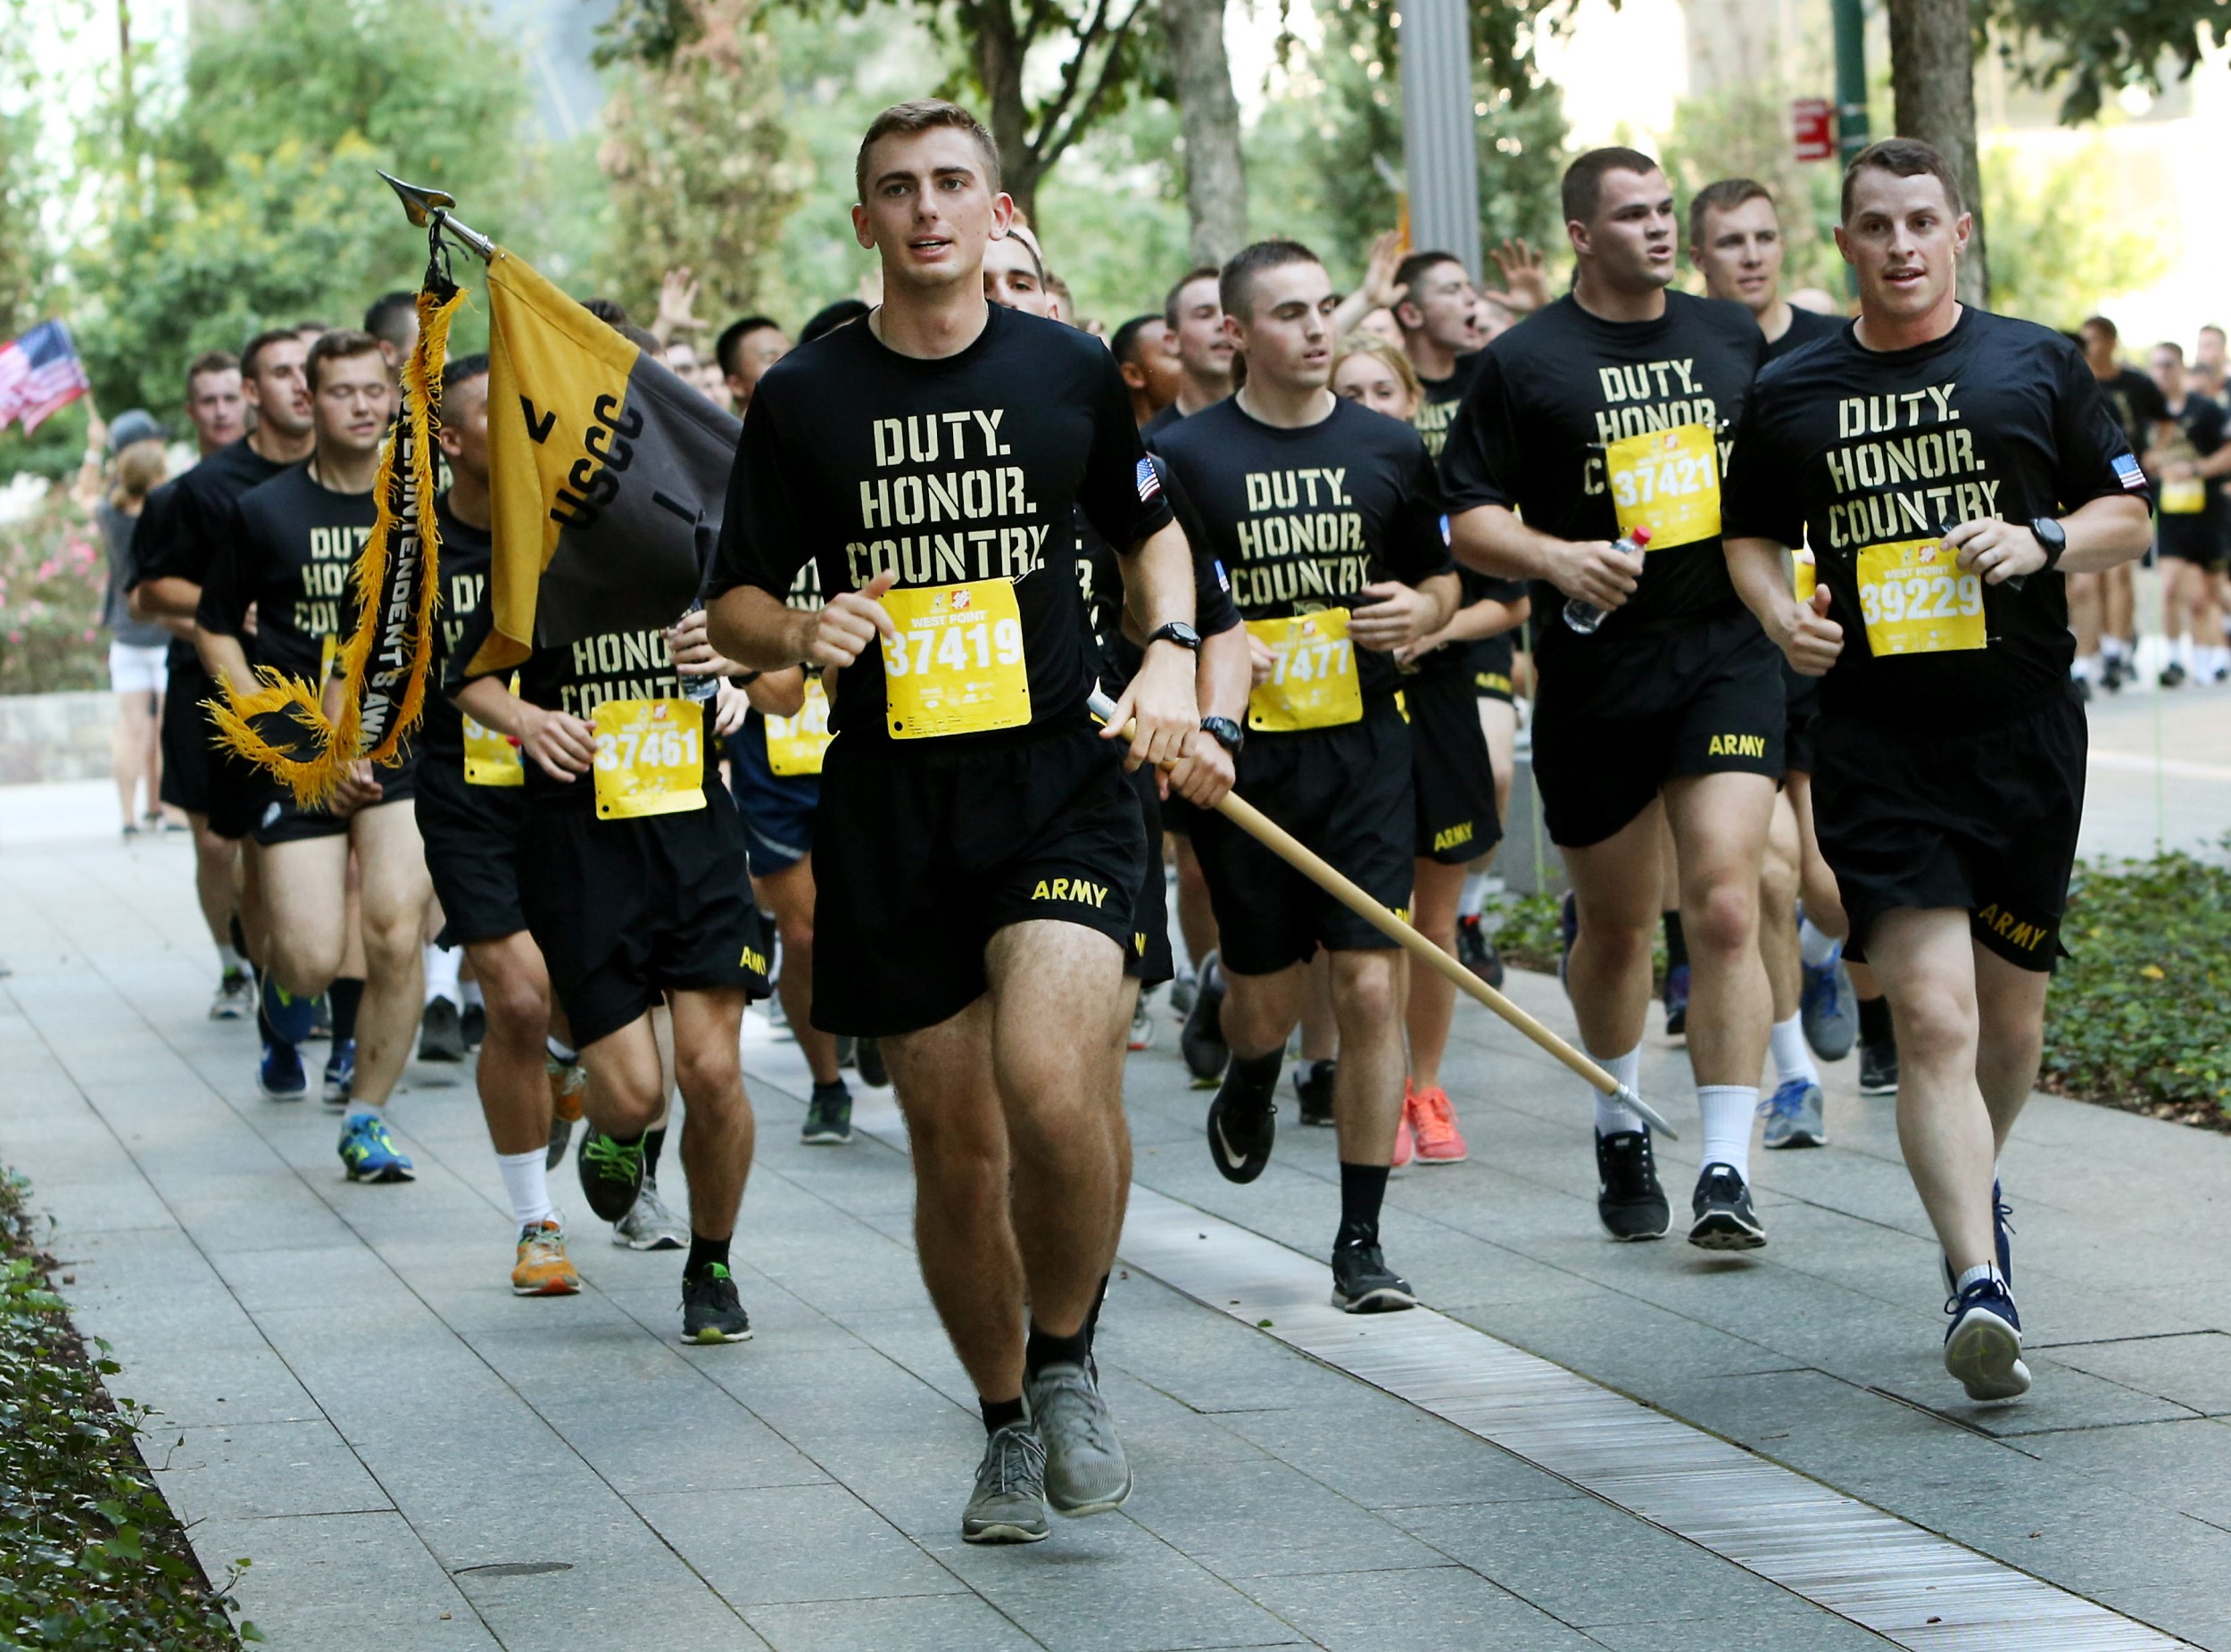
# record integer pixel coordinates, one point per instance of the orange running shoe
(566, 1082)
(1433, 1122)
(1406, 1142)
(544, 1268)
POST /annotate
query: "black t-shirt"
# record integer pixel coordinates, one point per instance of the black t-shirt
(287, 546)
(1852, 448)
(1304, 520)
(2137, 404)
(1152, 431)
(186, 537)
(466, 550)
(1442, 398)
(1806, 327)
(2201, 428)
(1552, 393)
(967, 467)
(1100, 578)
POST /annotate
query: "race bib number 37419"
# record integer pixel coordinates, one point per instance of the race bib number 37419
(1667, 481)
(954, 665)
(1916, 598)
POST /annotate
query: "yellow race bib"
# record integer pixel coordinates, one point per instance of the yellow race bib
(956, 666)
(1805, 575)
(795, 745)
(2184, 496)
(1667, 481)
(650, 758)
(1313, 682)
(1915, 599)
(491, 760)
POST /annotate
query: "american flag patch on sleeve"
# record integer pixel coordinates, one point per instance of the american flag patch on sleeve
(1149, 483)
(2128, 474)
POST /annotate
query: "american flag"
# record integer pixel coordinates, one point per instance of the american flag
(40, 374)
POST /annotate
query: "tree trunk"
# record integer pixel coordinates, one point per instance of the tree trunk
(1000, 66)
(1933, 91)
(1216, 174)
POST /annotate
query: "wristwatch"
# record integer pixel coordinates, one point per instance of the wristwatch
(2053, 536)
(1225, 733)
(1177, 631)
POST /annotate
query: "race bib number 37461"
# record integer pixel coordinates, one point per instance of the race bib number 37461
(954, 665)
(1667, 481)
(1916, 598)
(650, 758)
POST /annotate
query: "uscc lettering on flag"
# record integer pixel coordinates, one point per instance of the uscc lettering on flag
(39, 375)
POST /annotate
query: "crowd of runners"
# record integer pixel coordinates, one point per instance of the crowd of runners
(1795, 612)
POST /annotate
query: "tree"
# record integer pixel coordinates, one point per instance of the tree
(2063, 236)
(1215, 173)
(23, 181)
(1933, 97)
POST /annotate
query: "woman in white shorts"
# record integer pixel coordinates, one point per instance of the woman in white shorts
(138, 649)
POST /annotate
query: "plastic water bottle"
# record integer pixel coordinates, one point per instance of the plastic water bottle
(1585, 617)
(703, 690)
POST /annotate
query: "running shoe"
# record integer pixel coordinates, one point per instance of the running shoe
(828, 1116)
(1086, 1471)
(1009, 1503)
(1363, 1282)
(1141, 1025)
(1202, 1041)
(1629, 1202)
(568, 1082)
(611, 1173)
(441, 1032)
(1475, 950)
(367, 1152)
(1242, 1128)
(2002, 1241)
(1568, 932)
(869, 1064)
(340, 1072)
(649, 1225)
(293, 1020)
(1313, 1082)
(1405, 1146)
(1827, 1009)
(235, 997)
(1793, 1115)
(710, 1310)
(2172, 675)
(280, 1076)
(321, 1016)
(543, 1269)
(1983, 1346)
(2083, 686)
(2111, 674)
(1432, 1122)
(472, 1025)
(1878, 1068)
(846, 1046)
(1725, 1220)
(1677, 1001)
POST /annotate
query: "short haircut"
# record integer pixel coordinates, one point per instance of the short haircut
(1723, 196)
(830, 317)
(1125, 345)
(1205, 273)
(1021, 232)
(1413, 268)
(1582, 191)
(251, 352)
(340, 344)
(926, 114)
(458, 368)
(1235, 285)
(311, 328)
(209, 361)
(2212, 328)
(388, 318)
(2173, 348)
(2114, 333)
(609, 311)
(1903, 157)
(1392, 356)
(732, 337)
(643, 338)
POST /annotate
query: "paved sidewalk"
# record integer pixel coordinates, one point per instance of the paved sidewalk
(350, 1395)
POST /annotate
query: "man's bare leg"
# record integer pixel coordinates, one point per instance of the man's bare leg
(394, 890)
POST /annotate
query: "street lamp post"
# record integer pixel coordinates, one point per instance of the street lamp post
(1440, 143)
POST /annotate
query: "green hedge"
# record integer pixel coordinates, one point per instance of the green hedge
(90, 1555)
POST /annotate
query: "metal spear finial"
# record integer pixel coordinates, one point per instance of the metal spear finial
(426, 206)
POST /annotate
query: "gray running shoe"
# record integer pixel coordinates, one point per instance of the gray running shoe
(649, 1225)
(1794, 1117)
(1086, 1472)
(828, 1116)
(235, 997)
(1008, 1505)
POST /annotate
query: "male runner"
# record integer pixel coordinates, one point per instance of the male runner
(1329, 518)
(287, 549)
(392, 319)
(1437, 311)
(745, 351)
(2187, 456)
(1144, 352)
(2103, 606)
(1195, 318)
(1946, 464)
(1603, 413)
(978, 848)
(1734, 240)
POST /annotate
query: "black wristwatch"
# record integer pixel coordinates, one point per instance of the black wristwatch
(1225, 733)
(2053, 536)
(1177, 631)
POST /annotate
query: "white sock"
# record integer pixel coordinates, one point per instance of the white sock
(2181, 651)
(1792, 1059)
(1981, 1271)
(229, 961)
(442, 965)
(471, 990)
(1728, 1111)
(360, 1109)
(1612, 1115)
(1814, 945)
(1475, 895)
(2113, 647)
(560, 1052)
(526, 1179)
(2086, 668)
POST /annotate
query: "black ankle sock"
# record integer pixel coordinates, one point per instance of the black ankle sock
(1256, 1076)
(704, 1253)
(344, 995)
(653, 1142)
(239, 936)
(999, 1412)
(1363, 1188)
(1092, 1319)
(1874, 1020)
(1676, 943)
(1044, 1348)
(836, 1086)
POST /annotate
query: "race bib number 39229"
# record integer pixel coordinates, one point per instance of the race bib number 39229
(650, 758)
(1915, 599)
(1667, 481)
(955, 664)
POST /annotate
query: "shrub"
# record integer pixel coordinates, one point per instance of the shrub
(53, 577)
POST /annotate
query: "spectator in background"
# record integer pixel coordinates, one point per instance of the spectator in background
(745, 351)
(2207, 370)
(213, 402)
(1147, 358)
(138, 649)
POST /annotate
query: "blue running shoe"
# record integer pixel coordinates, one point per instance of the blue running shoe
(280, 1077)
(292, 1019)
(1677, 1001)
(1793, 1115)
(340, 1073)
(369, 1152)
(1829, 1008)
(1568, 932)
(2002, 1236)
(1984, 1345)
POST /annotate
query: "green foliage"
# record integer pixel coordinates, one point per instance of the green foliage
(53, 577)
(2097, 47)
(1743, 132)
(90, 1555)
(2141, 1014)
(1112, 215)
(23, 181)
(2063, 236)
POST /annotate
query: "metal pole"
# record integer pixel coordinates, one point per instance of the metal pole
(1850, 93)
(1440, 133)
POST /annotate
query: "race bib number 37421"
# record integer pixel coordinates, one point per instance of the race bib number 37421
(1916, 598)
(954, 665)
(650, 758)
(1667, 481)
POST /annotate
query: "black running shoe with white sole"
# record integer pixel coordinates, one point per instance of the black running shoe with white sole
(828, 1116)
(1242, 1125)
(1201, 1040)
(1313, 1082)
(1476, 951)
(1009, 1503)
(1984, 1345)
(441, 1031)
(1878, 1067)
(1629, 1200)
(869, 1061)
(710, 1310)
(1724, 1219)
(611, 1173)
(1363, 1282)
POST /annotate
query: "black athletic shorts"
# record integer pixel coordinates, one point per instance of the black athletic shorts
(279, 819)
(921, 856)
(1346, 792)
(1803, 695)
(626, 910)
(1453, 776)
(1702, 698)
(472, 851)
(2192, 539)
(1148, 959)
(1489, 660)
(186, 733)
(1982, 819)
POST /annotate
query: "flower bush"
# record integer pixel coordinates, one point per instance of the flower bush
(52, 576)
